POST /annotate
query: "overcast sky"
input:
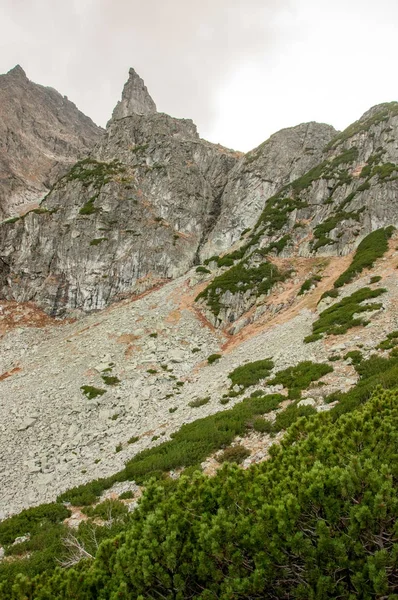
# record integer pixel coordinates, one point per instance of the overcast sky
(241, 69)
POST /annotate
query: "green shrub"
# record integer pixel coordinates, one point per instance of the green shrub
(126, 495)
(330, 294)
(133, 439)
(319, 504)
(173, 409)
(290, 415)
(262, 425)
(92, 392)
(308, 283)
(355, 356)
(390, 342)
(110, 380)
(300, 377)
(251, 373)
(375, 279)
(372, 247)
(199, 402)
(212, 358)
(240, 279)
(119, 448)
(201, 269)
(339, 317)
(88, 208)
(107, 510)
(30, 521)
(234, 454)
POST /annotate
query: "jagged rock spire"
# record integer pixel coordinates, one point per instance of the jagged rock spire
(17, 71)
(135, 98)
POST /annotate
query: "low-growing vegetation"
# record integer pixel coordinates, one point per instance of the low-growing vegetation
(372, 247)
(213, 358)
(92, 392)
(189, 446)
(390, 342)
(309, 283)
(322, 502)
(98, 241)
(299, 378)
(240, 279)
(199, 402)
(234, 454)
(251, 373)
(93, 172)
(342, 316)
(110, 379)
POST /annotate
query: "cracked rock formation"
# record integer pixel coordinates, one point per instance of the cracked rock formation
(135, 99)
(41, 135)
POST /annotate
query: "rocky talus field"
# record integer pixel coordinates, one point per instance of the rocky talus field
(198, 358)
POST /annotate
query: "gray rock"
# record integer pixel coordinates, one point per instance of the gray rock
(41, 135)
(135, 99)
(26, 423)
(307, 402)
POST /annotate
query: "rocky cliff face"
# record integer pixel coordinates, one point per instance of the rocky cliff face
(153, 199)
(142, 206)
(327, 211)
(135, 99)
(41, 135)
(283, 158)
(131, 214)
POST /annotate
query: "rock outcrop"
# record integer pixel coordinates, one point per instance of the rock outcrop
(284, 157)
(41, 135)
(153, 199)
(135, 99)
(132, 214)
(352, 191)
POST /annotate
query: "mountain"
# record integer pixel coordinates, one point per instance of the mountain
(42, 134)
(216, 308)
(142, 207)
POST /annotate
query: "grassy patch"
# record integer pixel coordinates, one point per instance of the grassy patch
(92, 172)
(88, 208)
(372, 247)
(375, 279)
(234, 454)
(199, 402)
(91, 391)
(340, 317)
(355, 356)
(308, 283)
(251, 373)
(240, 279)
(110, 379)
(300, 377)
(390, 342)
(213, 358)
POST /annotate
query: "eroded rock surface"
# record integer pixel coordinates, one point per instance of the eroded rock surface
(41, 135)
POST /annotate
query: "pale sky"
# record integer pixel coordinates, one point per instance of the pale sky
(241, 69)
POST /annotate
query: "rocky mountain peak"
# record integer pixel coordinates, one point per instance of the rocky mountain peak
(42, 134)
(17, 71)
(135, 98)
